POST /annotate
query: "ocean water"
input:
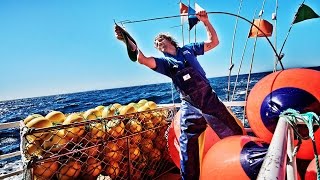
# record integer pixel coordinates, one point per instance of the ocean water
(15, 110)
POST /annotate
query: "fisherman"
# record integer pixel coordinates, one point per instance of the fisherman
(199, 103)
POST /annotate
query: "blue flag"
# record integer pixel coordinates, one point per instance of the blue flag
(192, 18)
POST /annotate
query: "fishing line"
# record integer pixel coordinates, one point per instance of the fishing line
(252, 58)
(213, 12)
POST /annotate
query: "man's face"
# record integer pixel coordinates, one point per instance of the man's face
(162, 44)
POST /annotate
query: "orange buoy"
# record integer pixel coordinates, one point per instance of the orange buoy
(234, 157)
(173, 145)
(311, 173)
(293, 88)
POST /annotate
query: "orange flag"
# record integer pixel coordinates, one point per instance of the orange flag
(264, 26)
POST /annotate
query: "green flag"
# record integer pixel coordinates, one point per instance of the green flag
(304, 13)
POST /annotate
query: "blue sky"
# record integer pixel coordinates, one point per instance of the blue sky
(55, 47)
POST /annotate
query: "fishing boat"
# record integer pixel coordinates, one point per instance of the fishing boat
(139, 140)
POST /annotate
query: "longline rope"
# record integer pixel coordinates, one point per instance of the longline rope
(232, 48)
(240, 66)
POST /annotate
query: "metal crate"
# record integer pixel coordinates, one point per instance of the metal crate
(131, 146)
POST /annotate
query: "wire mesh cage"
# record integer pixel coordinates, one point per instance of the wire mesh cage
(84, 146)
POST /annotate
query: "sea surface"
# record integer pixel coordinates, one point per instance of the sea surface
(16, 110)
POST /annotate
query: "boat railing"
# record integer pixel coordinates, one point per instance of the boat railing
(276, 164)
(17, 125)
(280, 161)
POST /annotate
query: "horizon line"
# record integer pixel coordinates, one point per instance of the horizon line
(89, 90)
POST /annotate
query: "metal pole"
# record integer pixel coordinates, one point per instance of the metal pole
(188, 17)
(274, 17)
(274, 165)
(182, 28)
(291, 163)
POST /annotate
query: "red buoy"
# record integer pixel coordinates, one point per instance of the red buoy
(293, 88)
(210, 138)
(234, 157)
(311, 173)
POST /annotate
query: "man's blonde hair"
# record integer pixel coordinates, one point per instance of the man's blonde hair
(166, 36)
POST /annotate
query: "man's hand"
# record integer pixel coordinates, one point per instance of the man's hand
(124, 36)
(118, 33)
(202, 16)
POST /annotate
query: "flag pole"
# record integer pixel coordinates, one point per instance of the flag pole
(285, 40)
(181, 21)
(195, 29)
(188, 17)
(274, 17)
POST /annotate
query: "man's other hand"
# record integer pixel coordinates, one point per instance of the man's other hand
(202, 15)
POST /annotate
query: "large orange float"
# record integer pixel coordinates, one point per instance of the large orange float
(294, 88)
(209, 138)
(311, 173)
(234, 157)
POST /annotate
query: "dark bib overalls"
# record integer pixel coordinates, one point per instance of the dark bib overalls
(199, 96)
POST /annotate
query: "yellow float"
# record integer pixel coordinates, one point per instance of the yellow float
(150, 133)
(152, 105)
(134, 126)
(128, 109)
(45, 170)
(33, 149)
(144, 116)
(92, 151)
(74, 132)
(122, 143)
(30, 117)
(134, 152)
(113, 169)
(155, 154)
(115, 128)
(112, 152)
(135, 139)
(70, 170)
(160, 142)
(38, 122)
(56, 117)
(97, 130)
(92, 169)
(56, 142)
(142, 102)
(157, 118)
(146, 145)
(91, 114)
(111, 110)
(100, 110)
(141, 162)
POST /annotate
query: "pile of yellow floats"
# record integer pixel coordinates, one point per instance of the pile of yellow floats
(116, 141)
